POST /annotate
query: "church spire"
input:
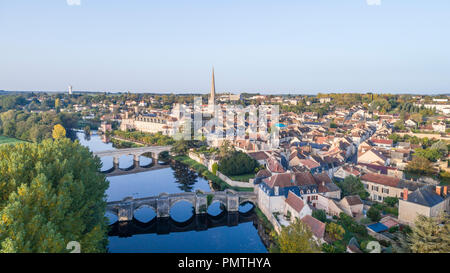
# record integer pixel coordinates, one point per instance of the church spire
(213, 86)
(212, 96)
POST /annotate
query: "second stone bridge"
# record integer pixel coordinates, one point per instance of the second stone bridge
(161, 204)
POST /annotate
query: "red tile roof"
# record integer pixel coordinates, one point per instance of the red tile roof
(382, 141)
(281, 180)
(317, 227)
(309, 163)
(381, 179)
(295, 201)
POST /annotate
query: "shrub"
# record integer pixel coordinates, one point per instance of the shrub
(214, 168)
(374, 214)
(319, 215)
(236, 163)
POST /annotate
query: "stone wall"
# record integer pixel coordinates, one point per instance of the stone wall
(233, 183)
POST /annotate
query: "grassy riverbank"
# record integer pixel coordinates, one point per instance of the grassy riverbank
(202, 170)
(9, 140)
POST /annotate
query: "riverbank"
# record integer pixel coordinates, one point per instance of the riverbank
(9, 140)
(202, 170)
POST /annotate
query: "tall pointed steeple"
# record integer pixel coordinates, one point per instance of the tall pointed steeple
(212, 96)
(213, 87)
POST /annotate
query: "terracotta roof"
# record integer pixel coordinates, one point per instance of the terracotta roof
(281, 180)
(295, 201)
(382, 141)
(353, 200)
(317, 227)
(274, 166)
(263, 173)
(381, 179)
(322, 177)
(309, 163)
(258, 155)
(304, 178)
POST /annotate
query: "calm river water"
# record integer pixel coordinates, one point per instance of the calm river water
(141, 235)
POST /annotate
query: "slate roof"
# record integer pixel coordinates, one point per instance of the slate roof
(425, 196)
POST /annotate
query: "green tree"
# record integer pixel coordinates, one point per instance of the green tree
(441, 147)
(353, 186)
(180, 147)
(391, 201)
(430, 234)
(374, 214)
(236, 163)
(335, 231)
(297, 238)
(420, 165)
(50, 194)
(319, 215)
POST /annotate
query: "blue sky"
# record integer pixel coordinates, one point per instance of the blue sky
(400, 46)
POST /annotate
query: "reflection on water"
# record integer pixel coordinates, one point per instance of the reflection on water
(178, 178)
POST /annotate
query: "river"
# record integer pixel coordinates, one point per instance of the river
(140, 237)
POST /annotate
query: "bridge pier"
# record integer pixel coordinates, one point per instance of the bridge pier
(163, 207)
(201, 205)
(116, 162)
(232, 202)
(155, 157)
(136, 161)
(126, 210)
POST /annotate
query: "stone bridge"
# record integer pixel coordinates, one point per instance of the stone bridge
(161, 204)
(155, 151)
(168, 225)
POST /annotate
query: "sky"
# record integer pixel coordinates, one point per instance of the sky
(271, 47)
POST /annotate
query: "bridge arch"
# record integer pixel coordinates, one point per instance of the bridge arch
(211, 207)
(145, 213)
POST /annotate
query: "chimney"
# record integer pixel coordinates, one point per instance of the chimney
(444, 192)
(438, 190)
(405, 194)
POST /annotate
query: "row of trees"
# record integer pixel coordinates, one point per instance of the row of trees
(146, 138)
(34, 127)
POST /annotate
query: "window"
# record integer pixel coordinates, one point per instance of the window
(386, 191)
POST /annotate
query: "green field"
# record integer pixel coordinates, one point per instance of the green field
(8, 140)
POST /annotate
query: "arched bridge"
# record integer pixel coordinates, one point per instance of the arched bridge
(168, 225)
(161, 204)
(155, 151)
